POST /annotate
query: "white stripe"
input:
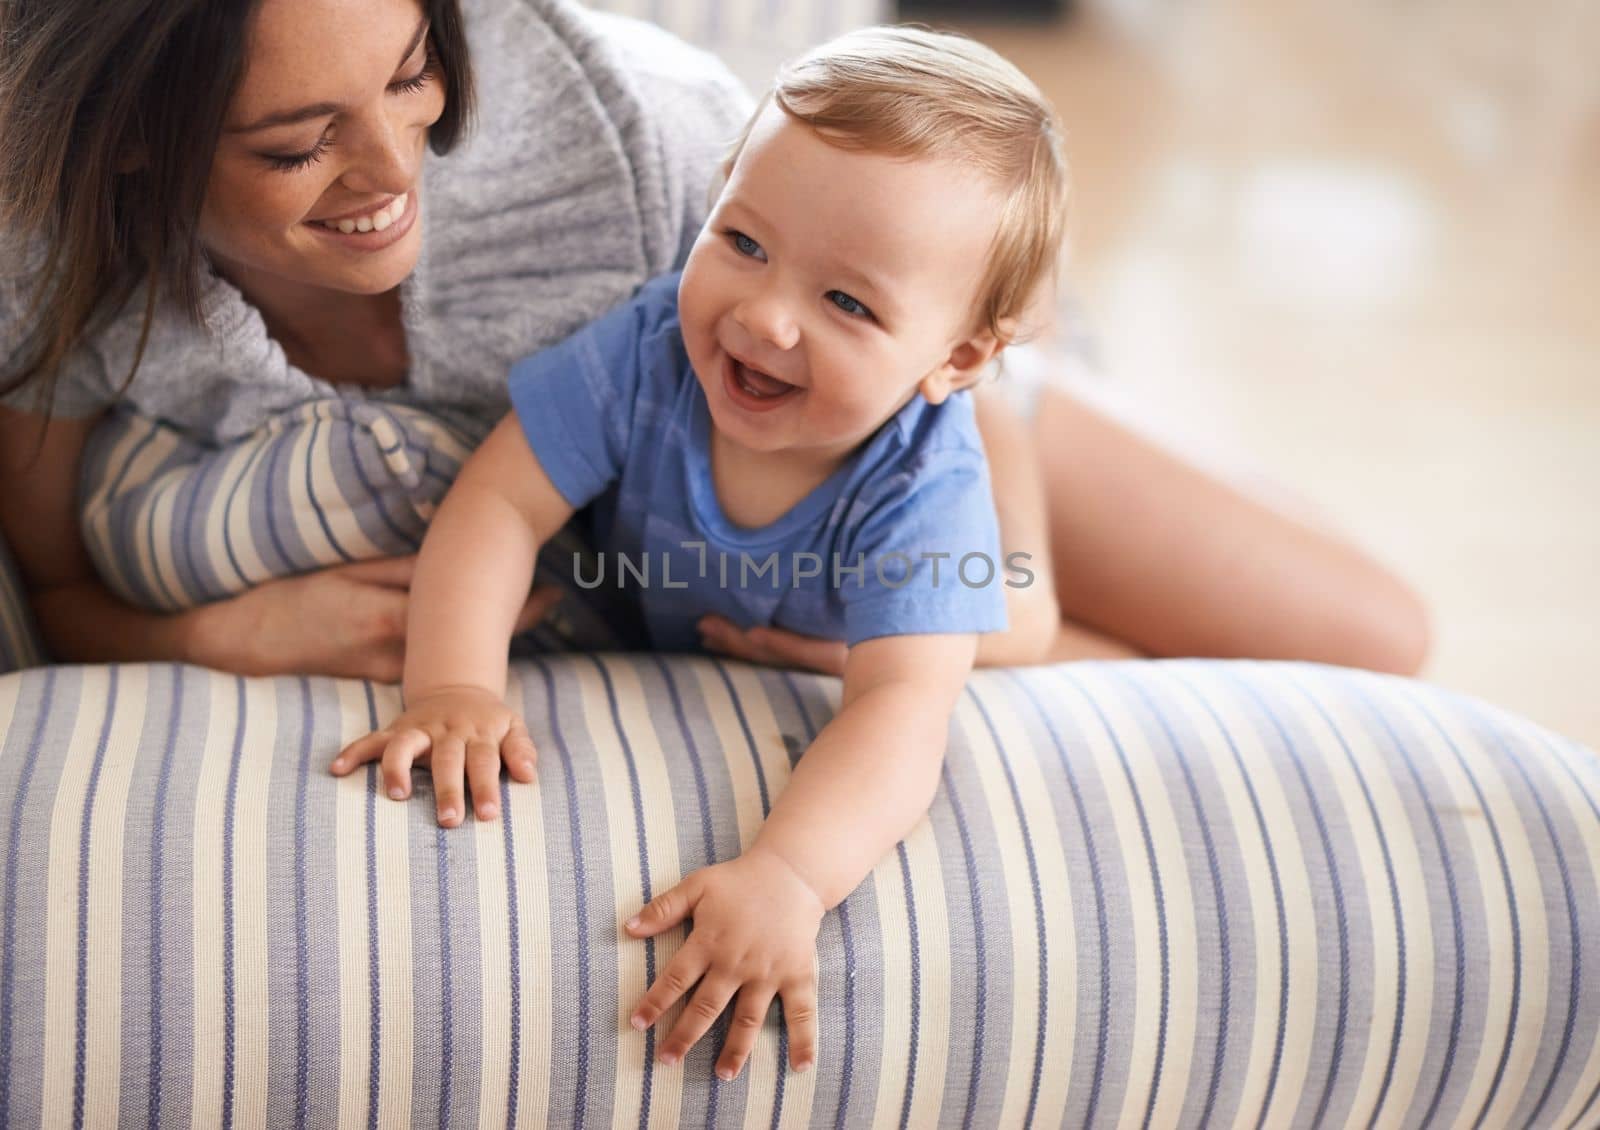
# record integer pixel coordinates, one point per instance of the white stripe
(329, 491)
(210, 805)
(494, 948)
(252, 993)
(61, 870)
(350, 886)
(526, 818)
(95, 522)
(1283, 832)
(627, 883)
(1015, 747)
(1528, 895)
(1411, 884)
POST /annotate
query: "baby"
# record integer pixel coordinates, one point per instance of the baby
(788, 404)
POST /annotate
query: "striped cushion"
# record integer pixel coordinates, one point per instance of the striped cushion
(1178, 893)
(171, 523)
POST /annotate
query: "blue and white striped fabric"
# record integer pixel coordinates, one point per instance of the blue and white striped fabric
(1159, 894)
(171, 523)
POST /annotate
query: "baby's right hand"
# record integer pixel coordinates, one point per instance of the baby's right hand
(453, 728)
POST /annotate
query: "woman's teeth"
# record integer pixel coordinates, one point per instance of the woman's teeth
(377, 221)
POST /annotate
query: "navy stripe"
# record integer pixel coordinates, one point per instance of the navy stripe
(1394, 897)
(1277, 899)
(80, 1048)
(1160, 896)
(916, 989)
(637, 795)
(1096, 881)
(514, 918)
(374, 974)
(847, 937)
(1453, 1039)
(1342, 921)
(316, 503)
(1038, 916)
(8, 951)
(194, 485)
(981, 972)
(1511, 905)
(157, 878)
(230, 806)
(302, 938)
(1218, 894)
(580, 877)
(447, 1025)
(227, 515)
(1575, 980)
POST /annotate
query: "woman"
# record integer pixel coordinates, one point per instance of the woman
(230, 201)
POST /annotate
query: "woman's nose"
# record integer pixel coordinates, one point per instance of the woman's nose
(767, 319)
(386, 158)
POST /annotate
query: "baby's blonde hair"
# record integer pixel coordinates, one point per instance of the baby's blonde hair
(911, 92)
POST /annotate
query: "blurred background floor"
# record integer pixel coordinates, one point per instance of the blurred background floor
(1357, 247)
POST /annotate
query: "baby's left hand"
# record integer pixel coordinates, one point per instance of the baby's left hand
(754, 935)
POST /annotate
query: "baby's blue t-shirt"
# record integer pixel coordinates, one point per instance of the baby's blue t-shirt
(901, 539)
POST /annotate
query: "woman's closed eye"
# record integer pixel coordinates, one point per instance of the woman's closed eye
(294, 162)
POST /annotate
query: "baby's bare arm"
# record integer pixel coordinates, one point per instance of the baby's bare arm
(871, 773)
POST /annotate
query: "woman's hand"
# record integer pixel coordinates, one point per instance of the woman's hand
(454, 729)
(775, 647)
(347, 621)
(754, 937)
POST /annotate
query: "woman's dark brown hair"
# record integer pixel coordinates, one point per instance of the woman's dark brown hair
(110, 113)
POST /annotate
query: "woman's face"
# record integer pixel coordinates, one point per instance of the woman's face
(315, 178)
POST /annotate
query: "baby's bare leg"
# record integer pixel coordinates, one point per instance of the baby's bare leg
(1151, 552)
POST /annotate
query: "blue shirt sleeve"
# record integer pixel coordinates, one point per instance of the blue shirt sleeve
(575, 401)
(928, 544)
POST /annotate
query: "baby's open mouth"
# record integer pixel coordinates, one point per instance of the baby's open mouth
(759, 384)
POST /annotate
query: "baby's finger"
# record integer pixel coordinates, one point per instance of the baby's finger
(449, 756)
(404, 748)
(687, 966)
(359, 752)
(667, 909)
(483, 777)
(800, 1018)
(748, 1016)
(698, 1016)
(519, 753)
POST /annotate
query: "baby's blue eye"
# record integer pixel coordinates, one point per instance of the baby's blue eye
(849, 305)
(747, 246)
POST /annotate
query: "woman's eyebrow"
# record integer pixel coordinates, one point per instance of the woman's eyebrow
(325, 109)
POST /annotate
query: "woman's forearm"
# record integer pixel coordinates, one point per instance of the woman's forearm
(84, 622)
(864, 784)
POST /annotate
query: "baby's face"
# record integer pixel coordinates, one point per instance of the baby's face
(830, 286)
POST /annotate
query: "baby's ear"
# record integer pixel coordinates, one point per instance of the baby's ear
(965, 365)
